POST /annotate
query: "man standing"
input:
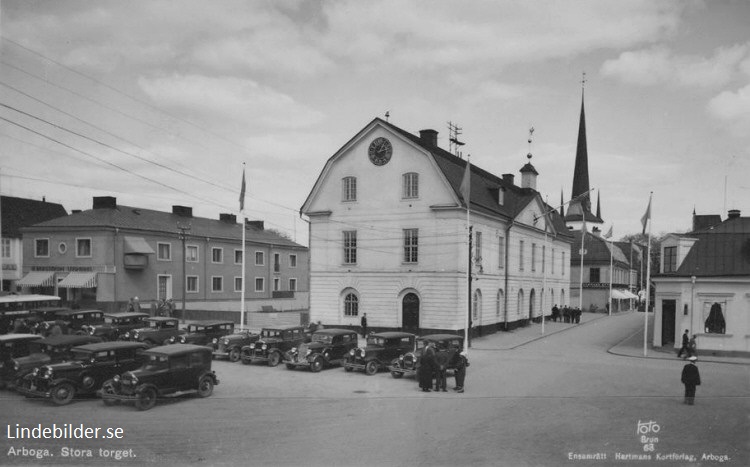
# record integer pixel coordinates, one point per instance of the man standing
(426, 367)
(685, 344)
(690, 378)
(460, 374)
(363, 322)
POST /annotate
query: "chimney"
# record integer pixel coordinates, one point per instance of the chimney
(508, 178)
(228, 218)
(183, 211)
(256, 224)
(429, 137)
(733, 214)
(105, 202)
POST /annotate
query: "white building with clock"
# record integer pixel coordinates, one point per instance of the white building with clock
(388, 237)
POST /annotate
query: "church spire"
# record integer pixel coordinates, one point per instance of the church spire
(581, 171)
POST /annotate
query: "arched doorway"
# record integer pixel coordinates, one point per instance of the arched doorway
(519, 310)
(410, 312)
(532, 295)
(476, 312)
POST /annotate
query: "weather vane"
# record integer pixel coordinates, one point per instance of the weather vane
(531, 134)
(583, 81)
(387, 115)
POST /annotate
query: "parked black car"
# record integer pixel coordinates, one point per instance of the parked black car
(204, 333)
(115, 325)
(272, 344)
(14, 346)
(71, 321)
(408, 363)
(327, 347)
(230, 346)
(89, 366)
(51, 349)
(167, 370)
(156, 331)
(381, 350)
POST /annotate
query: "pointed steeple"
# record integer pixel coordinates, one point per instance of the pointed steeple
(598, 205)
(581, 171)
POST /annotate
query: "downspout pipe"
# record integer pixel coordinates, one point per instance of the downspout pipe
(507, 246)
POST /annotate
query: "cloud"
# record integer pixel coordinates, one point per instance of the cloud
(659, 65)
(228, 101)
(733, 108)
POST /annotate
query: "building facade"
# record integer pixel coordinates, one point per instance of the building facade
(389, 237)
(111, 253)
(18, 213)
(703, 286)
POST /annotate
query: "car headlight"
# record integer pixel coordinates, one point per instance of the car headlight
(172, 339)
(134, 379)
(127, 335)
(116, 379)
(309, 351)
(264, 347)
(293, 350)
(135, 335)
(35, 371)
(182, 339)
(252, 346)
(91, 331)
(16, 366)
(214, 341)
(226, 341)
(48, 373)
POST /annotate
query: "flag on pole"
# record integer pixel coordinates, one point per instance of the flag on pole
(242, 191)
(646, 216)
(609, 232)
(466, 184)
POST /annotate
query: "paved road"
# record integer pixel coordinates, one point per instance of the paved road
(548, 402)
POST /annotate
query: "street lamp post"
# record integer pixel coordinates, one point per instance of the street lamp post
(183, 236)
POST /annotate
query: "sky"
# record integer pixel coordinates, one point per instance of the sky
(160, 103)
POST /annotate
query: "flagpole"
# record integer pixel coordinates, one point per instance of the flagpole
(611, 248)
(580, 285)
(648, 277)
(544, 266)
(466, 193)
(244, 228)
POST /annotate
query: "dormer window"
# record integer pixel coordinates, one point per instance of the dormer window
(349, 189)
(670, 259)
(498, 194)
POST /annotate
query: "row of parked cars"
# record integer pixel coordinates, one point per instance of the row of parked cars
(123, 361)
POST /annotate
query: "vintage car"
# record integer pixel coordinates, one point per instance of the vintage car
(167, 370)
(42, 314)
(115, 325)
(230, 346)
(51, 349)
(71, 321)
(156, 331)
(204, 333)
(408, 363)
(14, 346)
(327, 347)
(381, 349)
(272, 344)
(89, 366)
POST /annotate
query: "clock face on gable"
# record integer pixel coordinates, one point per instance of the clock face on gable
(380, 151)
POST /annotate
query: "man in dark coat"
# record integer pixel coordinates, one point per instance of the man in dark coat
(363, 322)
(441, 368)
(461, 363)
(690, 378)
(685, 344)
(427, 367)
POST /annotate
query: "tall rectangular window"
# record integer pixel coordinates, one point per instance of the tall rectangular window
(238, 284)
(501, 252)
(520, 255)
(544, 258)
(670, 259)
(276, 284)
(217, 255)
(191, 284)
(533, 257)
(292, 261)
(83, 247)
(6, 248)
(594, 275)
(478, 248)
(350, 247)
(259, 284)
(191, 253)
(276, 262)
(164, 251)
(293, 284)
(41, 247)
(411, 245)
(562, 264)
(217, 284)
(237, 256)
(552, 261)
(410, 185)
(349, 189)
(260, 258)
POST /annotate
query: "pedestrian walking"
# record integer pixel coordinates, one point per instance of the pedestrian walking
(690, 378)
(685, 345)
(426, 367)
(363, 323)
(555, 313)
(460, 374)
(566, 314)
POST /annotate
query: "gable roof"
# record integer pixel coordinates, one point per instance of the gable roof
(721, 250)
(160, 222)
(22, 212)
(597, 250)
(484, 185)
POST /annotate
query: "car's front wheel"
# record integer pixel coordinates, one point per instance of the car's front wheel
(205, 386)
(371, 368)
(63, 393)
(234, 354)
(316, 365)
(146, 399)
(109, 388)
(274, 359)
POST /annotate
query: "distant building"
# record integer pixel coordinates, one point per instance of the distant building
(106, 255)
(703, 285)
(16, 214)
(388, 238)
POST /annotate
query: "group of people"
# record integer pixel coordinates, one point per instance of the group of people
(433, 368)
(689, 346)
(566, 315)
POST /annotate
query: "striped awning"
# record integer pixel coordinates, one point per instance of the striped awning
(137, 245)
(622, 294)
(38, 279)
(79, 280)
